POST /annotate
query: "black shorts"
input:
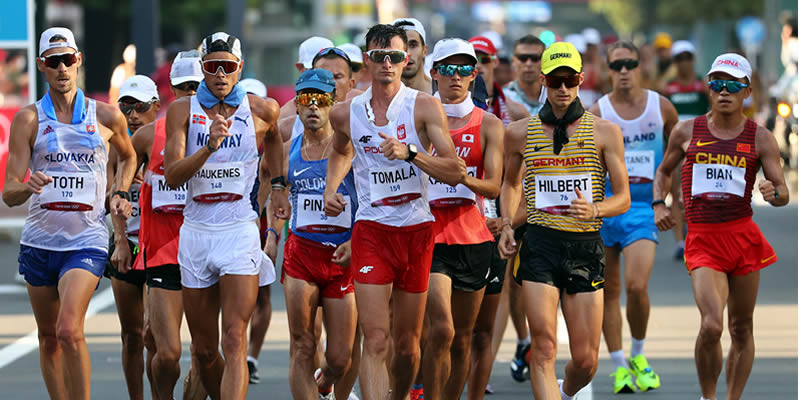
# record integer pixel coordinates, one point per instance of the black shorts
(467, 265)
(134, 277)
(497, 273)
(167, 276)
(574, 262)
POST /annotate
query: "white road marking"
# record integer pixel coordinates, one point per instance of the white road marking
(30, 342)
(12, 289)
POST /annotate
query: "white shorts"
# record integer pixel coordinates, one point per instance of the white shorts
(207, 254)
(266, 276)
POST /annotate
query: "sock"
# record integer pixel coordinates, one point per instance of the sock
(703, 398)
(525, 341)
(564, 396)
(618, 358)
(417, 386)
(252, 360)
(637, 347)
(680, 244)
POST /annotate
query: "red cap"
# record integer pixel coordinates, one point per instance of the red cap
(483, 44)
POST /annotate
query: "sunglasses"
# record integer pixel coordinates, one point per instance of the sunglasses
(485, 59)
(683, 57)
(731, 86)
(319, 99)
(628, 63)
(356, 67)
(188, 86)
(523, 58)
(380, 56)
(139, 107)
(213, 66)
(54, 60)
(555, 82)
(328, 50)
(450, 69)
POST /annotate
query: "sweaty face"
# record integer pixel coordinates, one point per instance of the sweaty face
(385, 72)
(416, 55)
(313, 116)
(341, 74)
(724, 101)
(218, 83)
(61, 79)
(528, 70)
(455, 86)
(624, 79)
(563, 96)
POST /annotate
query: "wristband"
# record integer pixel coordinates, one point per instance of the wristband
(211, 149)
(595, 211)
(124, 195)
(777, 194)
(276, 186)
(657, 202)
(266, 235)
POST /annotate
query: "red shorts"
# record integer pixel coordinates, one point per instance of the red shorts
(735, 248)
(310, 261)
(385, 254)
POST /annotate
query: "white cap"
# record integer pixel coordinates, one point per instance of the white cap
(310, 47)
(140, 87)
(254, 86)
(352, 51)
(222, 41)
(496, 39)
(733, 65)
(450, 47)
(185, 68)
(54, 38)
(415, 26)
(683, 46)
(577, 40)
(592, 36)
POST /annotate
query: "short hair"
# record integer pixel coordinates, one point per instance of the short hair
(333, 56)
(61, 38)
(381, 35)
(792, 21)
(403, 23)
(623, 44)
(529, 39)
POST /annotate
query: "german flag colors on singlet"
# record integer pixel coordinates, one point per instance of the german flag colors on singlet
(551, 179)
(718, 175)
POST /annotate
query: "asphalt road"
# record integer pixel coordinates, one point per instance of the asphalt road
(673, 326)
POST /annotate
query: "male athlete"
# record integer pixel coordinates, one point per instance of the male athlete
(212, 145)
(725, 249)
(527, 63)
(64, 139)
(463, 251)
(387, 133)
(414, 75)
(501, 106)
(567, 153)
(645, 118)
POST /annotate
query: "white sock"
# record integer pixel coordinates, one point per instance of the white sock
(252, 360)
(564, 396)
(527, 340)
(637, 347)
(703, 398)
(618, 358)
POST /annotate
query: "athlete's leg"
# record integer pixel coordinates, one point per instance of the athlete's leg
(639, 258)
(612, 289)
(502, 314)
(372, 302)
(482, 356)
(75, 289)
(583, 314)
(465, 306)
(45, 304)
(130, 309)
(339, 316)
(438, 313)
(201, 307)
(516, 309)
(260, 322)
(150, 351)
(742, 302)
(710, 293)
(302, 299)
(193, 385)
(238, 300)
(166, 313)
(541, 308)
(348, 381)
(407, 311)
(677, 208)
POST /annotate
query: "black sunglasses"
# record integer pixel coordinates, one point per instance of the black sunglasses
(54, 60)
(139, 107)
(328, 50)
(628, 63)
(523, 58)
(555, 82)
(485, 58)
(188, 86)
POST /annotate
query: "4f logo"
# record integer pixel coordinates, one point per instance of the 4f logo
(365, 139)
(401, 132)
(365, 270)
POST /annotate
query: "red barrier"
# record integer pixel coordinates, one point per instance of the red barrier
(6, 116)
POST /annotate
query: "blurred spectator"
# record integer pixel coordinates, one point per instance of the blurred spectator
(363, 80)
(687, 91)
(503, 74)
(527, 89)
(14, 78)
(786, 86)
(123, 71)
(593, 70)
(648, 67)
(161, 76)
(662, 43)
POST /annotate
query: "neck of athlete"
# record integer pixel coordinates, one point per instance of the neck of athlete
(420, 82)
(725, 121)
(454, 97)
(317, 136)
(629, 97)
(489, 81)
(560, 111)
(383, 93)
(531, 89)
(64, 103)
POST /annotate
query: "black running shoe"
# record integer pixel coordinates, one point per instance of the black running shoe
(519, 366)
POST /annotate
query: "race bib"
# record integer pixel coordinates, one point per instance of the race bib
(641, 166)
(441, 194)
(132, 223)
(218, 182)
(490, 208)
(394, 186)
(69, 191)
(166, 200)
(311, 215)
(717, 181)
(554, 193)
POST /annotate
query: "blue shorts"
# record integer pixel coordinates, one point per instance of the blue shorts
(636, 224)
(45, 267)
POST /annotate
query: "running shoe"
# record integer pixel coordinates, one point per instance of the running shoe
(646, 378)
(489, 389)
(323, 396)
(253, 371)
(678, 255)
(352, 396)
(519, 365)
(416, 393)
(623, 383)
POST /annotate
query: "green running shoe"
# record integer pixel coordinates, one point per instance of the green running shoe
(622, 381)
(646, 378)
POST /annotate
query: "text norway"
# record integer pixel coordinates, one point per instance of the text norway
(231, 141)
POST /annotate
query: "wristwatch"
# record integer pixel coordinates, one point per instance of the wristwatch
(211, 149)
(412, 152)
(279, 180)
(124, 195)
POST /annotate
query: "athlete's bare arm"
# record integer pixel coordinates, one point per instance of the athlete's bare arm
(143, 144)
(516, 110)
(669, 114)
(595, 109)
(492, 131)
(431, 122)
(274, 221)
(662, 182)
(112, 118)
(288, 110)
(340, 159)
(611, 149)
(272, 160)
(285, 126)
(177, 168)
(511, 191)
(20, 144)
(769, 154)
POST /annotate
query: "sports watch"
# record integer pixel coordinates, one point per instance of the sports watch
(412, 152)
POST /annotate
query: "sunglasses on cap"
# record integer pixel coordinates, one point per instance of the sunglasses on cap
(628, 63)
(213, 66)
(485, 58)
(451, 69)
(731, 86)
(188, 86)
(555, 82)
(139, 106)
(523, 58)
(319, 99)
(328, 50)
(54, 60)
(379, 56)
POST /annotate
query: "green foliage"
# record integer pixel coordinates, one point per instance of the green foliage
(625, 16)
(687, 12)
